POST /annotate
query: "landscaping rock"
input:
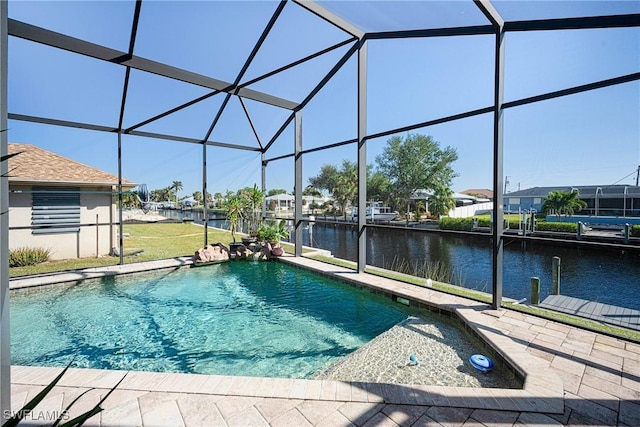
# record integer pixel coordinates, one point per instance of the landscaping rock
(211, 253)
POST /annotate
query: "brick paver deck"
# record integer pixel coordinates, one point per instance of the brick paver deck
(572, 377)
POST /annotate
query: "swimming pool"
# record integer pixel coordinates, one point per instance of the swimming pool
(238, 318)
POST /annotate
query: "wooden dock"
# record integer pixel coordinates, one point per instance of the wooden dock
(605, 313)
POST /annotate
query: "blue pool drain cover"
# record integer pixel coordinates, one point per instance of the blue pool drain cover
(481, 363)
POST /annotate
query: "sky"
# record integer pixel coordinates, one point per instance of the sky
(591, 138)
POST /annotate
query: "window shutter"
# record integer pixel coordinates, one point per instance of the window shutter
(55, 210)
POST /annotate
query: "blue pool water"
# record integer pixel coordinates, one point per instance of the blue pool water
(238, 318)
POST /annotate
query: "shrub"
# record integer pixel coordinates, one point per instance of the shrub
(483, 222)
(562, 227)
(462, 224)
(466, 224)
(273, 231)
(635, 230)
(513, 223)
(458, 224)
(21, 257)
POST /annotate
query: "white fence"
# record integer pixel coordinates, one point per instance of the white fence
(470, 210)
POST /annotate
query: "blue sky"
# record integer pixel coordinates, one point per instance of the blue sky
(588, 138)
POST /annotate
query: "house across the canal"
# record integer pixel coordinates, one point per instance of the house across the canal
(619, 202)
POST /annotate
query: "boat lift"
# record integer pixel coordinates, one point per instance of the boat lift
(526, 221)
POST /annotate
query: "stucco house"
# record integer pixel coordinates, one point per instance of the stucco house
(60, 204)
(605, 200)
(286, 202)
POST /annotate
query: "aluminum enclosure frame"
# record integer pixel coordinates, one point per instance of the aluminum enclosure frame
(354, 36)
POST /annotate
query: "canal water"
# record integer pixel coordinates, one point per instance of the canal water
(606, 276)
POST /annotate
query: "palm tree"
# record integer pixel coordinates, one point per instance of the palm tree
(346, 185)
(255, 198)
(217, 198)
(129, 200)
(161, 195)
(441, 202)
(177, 186)
(563, 202)
(419, 209)
(235, 213)
(197, 196)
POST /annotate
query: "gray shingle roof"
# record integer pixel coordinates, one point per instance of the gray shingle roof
(586, 191)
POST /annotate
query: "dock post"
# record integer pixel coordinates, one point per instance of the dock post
(627, 230)
(556, 275)
(535, 290)
(579, 236)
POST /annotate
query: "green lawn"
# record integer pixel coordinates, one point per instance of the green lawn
(508, 217)
(161, 241)
(157, 240)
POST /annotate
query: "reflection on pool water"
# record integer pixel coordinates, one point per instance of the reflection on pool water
(238, 318)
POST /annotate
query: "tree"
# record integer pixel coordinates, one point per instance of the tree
(419, 209)
(310, 190)
(341, 183)
(346, 189)
(129, 200)
(218, 199)
(254, 198)
(235, 213)
(441, 202)
(563, 202)
(177, 186)
(161, 195)
(416, 162)
(327, 179)
(379, 188)
(197, 196)
(275, 191)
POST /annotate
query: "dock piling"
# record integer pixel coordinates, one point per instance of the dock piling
(627, 231)
(556, 275)
(535, 290)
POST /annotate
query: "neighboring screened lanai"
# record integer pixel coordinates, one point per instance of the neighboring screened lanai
(216, 92)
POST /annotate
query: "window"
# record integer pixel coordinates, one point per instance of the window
(514, 200)
(55, 210)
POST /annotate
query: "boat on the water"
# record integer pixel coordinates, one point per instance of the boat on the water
(376, 212)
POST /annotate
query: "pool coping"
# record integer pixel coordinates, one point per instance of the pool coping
(541, 393)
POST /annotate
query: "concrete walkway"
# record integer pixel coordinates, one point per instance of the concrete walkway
(572, 377)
